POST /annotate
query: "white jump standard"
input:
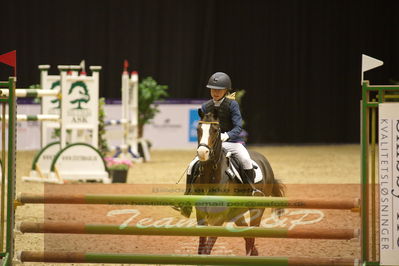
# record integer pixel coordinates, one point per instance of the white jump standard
(75, 157)
(129, 147)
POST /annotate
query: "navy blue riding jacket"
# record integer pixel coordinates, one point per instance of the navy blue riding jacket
(229, 117)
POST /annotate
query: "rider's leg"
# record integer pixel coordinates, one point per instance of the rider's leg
(250, 178)
(242, 154)
(188, 184)
(190, 174)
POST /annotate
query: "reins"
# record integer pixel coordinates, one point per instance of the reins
(208, 122)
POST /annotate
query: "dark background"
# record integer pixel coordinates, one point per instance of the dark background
(299, 61)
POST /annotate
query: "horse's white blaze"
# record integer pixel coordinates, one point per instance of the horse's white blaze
(203, 152)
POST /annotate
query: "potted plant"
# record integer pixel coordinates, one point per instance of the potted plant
(118, 168)
(149, 92)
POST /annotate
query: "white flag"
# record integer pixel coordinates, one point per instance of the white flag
(369, 63)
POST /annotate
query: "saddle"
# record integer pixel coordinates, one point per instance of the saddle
(234, 169)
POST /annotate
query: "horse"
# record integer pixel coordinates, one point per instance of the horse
(212, 178)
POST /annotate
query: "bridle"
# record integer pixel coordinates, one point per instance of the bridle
(213, 158)
(211, 150)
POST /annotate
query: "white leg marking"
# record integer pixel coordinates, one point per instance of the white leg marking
(203, 152)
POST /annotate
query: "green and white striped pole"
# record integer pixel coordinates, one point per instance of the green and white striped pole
(30, 93)
(40, 117)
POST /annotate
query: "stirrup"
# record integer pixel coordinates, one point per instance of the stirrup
(257, 193)
(176, 208)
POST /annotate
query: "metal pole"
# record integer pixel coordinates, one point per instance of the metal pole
(373, 182)
(11, 170)
(219, 231)
(364, 172)
(81, 257)
(192, 200)
(3, 175)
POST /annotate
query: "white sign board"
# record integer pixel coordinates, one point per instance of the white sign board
(389, 183)
(174, 127)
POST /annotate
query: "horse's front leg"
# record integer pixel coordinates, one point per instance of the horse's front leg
(249, 242)
(203, 239)
(202, 245)
(209, 244)
(256, 217)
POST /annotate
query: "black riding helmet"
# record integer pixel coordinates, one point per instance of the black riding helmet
(219, 81)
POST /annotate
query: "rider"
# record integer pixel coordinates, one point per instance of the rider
(230, 124)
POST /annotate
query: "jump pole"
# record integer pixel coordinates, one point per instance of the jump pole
(30, 93)
(81, 257)
(40, 117)
(190, 200)
(219, 231)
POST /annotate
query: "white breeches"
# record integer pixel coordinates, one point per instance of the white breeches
(240, 152)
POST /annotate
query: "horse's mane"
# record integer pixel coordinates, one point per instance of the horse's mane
(210, 117)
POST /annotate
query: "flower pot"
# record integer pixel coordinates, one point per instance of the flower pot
(118, 176)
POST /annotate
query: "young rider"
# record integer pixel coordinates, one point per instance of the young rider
(230, 121)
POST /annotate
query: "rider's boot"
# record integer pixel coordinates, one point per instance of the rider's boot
(249, 179)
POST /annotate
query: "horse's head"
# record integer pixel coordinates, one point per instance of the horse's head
(208, 131)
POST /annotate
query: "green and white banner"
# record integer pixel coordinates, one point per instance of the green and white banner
(389, 183)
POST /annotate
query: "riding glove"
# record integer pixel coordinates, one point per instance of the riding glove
(224, 136)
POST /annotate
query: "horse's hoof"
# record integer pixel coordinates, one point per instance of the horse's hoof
(254, 252)
(258, 193)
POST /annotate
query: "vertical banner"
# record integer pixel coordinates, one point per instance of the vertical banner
(389, 183)
(192, 128)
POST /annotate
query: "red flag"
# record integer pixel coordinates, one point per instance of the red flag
(125, 65)
(10, 59)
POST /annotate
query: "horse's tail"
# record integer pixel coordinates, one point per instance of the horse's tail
(278, 190)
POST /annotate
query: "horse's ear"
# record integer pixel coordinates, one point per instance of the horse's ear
(200, 113)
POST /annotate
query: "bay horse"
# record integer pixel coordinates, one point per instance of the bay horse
(211, 178)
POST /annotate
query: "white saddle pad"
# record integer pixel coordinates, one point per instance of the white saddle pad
(258, 171)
